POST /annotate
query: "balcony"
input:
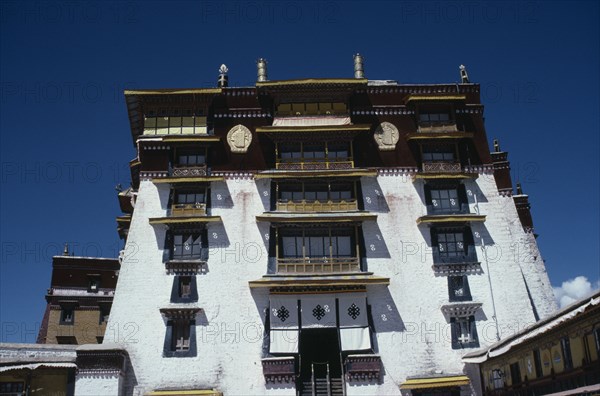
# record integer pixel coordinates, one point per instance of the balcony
(437, 127)
(189, 210)
(317, 206)
(442, 167)
(189, 171)
(314, 164)
(317, 265)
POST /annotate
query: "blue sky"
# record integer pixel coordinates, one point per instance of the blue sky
(65, 140)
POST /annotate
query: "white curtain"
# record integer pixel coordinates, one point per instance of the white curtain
(311, 121)
(283, 311)
(355, 339)
(318, 311)
(353, 309)
(284, 341)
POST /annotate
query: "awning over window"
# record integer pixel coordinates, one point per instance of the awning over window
(283, 311)
(435, 382)
(355, 339)
(284, 341)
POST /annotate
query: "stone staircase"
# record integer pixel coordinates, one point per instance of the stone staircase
(323, 387)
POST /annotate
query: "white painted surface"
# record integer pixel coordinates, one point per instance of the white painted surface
(412, 334)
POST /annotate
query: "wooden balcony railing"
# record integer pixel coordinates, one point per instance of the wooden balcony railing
(441, 167)
(198, 209)
(440, 127)
(313, 164)
(317, 206)
(189, 171)
(317, 265)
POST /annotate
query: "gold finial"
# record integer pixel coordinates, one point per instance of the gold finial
(496, 146)
(66, 250)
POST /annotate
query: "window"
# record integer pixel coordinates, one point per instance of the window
(458, 288)
(597, 339)
(451, 244)
(67, 316)
(187, 246)
(104, 313)
(185, 286)
(314, 152)
(439, 153)
(515, 373)
(496, 379)
(537, 361)
(181, 336)
(12, 388)
(317, 243)
(93, 283)
(565, 345)
(66, 340)
(446, 198)
(464, 332)
(191, 159)
(434, 117)
(174, 122)
(191, 197)
(316, 191)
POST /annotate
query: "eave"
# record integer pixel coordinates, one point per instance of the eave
(438, 135)
(313, 128)
(458, 175)
(188, 180)
(344, 217)
(184, 220)
(435, 382)
(453, 218)
(173, 91)
(313, 82)
(291, 174)
(191, 138)
(319, 280)
(435, 98)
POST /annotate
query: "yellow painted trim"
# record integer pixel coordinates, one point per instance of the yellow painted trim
(440, 382)
(184, 220)
(307, 81)
(272, 282)
(198, 392)
(134, 163)
(315, 128)
(315, 217)
(450, 218)
(191, 138)
(437, 135)
(124, 219)
(436, 98)
(446, 176)
(187, 179)
(174, 91)
(316, 173)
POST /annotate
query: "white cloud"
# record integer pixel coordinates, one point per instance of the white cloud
(573, 290)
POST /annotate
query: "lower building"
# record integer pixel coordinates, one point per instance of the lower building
(557, 355)
(79, 300)
(30, 369)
